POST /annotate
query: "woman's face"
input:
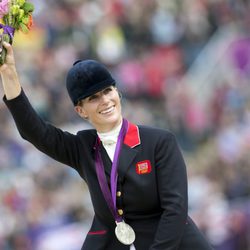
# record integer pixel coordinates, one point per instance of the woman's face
(103, 109)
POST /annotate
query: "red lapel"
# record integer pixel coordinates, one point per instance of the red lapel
(132, 138)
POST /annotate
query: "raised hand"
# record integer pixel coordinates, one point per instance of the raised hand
(10, 81)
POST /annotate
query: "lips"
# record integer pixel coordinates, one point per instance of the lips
(107, 110)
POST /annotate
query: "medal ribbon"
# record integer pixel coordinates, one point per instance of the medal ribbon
(110, 194)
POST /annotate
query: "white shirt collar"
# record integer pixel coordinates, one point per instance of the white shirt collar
(110, 138)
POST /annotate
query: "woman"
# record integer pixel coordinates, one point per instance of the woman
(135, 174)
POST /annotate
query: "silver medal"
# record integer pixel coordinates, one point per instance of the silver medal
(124, 233)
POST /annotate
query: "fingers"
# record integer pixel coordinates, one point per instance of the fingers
(7, 56)
(8, 47)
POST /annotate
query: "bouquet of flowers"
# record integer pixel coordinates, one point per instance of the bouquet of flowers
(15, 15)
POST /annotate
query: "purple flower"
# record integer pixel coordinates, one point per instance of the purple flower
(4, 7)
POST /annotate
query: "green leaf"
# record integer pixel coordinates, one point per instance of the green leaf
(28, 7)
(24, 28)
(25, 20)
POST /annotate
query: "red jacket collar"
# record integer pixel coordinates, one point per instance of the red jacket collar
(132, 138)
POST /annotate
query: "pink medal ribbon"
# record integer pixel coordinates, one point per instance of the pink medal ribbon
(124, 232)
(110, 195)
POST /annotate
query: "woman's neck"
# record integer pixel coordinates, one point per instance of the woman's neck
(109, 128)
(114, 129)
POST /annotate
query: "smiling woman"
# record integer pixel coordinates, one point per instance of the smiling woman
(136, 175)
(102, 109)
(91, 89)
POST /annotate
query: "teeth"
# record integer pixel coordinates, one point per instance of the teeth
(106, 111)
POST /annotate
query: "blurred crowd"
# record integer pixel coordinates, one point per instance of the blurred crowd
(150, 47)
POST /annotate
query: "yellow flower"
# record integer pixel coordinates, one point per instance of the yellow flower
(20, 2)
(15, 9)
(25, 20)
(21, 13)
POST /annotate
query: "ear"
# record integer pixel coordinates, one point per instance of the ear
(81, 112)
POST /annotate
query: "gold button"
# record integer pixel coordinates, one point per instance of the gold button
(119, 193)
(120, 211)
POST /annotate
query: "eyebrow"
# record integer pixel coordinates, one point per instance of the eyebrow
(87, 98)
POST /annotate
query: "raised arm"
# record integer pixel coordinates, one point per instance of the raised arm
(60, 145)
(10, 80)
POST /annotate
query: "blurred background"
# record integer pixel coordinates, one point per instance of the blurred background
(183, 65)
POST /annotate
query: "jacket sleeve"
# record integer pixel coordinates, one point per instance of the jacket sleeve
(172, 188)
(52, 141)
